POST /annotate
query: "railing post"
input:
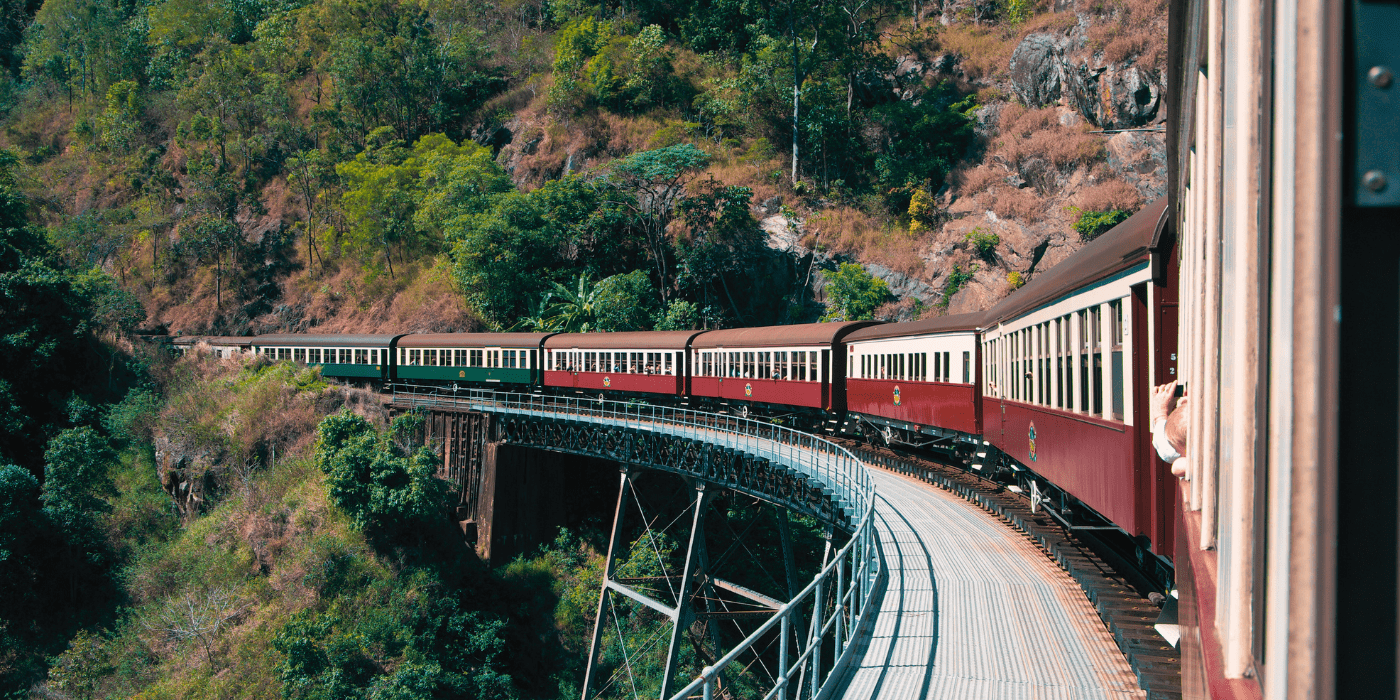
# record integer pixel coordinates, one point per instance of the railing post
(840, 602)
(783, 670)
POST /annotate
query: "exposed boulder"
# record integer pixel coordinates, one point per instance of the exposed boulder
(1037, 69)
(1133, 97)
(903, 286)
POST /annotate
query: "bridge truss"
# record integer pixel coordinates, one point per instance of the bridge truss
(799, 472)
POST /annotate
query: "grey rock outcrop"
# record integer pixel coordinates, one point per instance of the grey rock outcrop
(1047, 69)
(1037, 69)
(903, 286)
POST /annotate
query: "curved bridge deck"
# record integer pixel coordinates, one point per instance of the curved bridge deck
(973, 609)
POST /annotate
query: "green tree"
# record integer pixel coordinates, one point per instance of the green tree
(77, 484)
(502, 258)
(921, 142)
(681, 315)
(385, 485)
(719, 239)
(853, 294)
(626, 302)
(21, 523)
(656, 181)
(133, 419)
(44, 330)
(85, 45)
(406, 199)
(575, 47)
(379, 198)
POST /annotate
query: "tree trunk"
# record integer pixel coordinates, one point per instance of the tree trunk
(796, 84)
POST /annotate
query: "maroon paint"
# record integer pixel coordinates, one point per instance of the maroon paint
(941, 404)
(777, 391)
(593, 381)
(1090, 458)
(1166, 300)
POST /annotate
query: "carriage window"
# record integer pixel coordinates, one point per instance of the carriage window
(459, 358)
(667, 368)
(1116, 358)
(430, 358)
(1094, 360)
(299, 355)
(967, 367)
(510, 358)
(475, 356)
(313, 356)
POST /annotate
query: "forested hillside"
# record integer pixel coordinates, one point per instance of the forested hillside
(440, 165)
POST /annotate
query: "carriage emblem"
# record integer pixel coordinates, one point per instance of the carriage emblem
(607, 381)
(1032, 441)
(462, 373)
(748, 390)
(896, 395)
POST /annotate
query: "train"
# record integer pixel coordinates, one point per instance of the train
(1045, 392)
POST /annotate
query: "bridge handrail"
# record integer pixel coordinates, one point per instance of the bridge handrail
(855, 568)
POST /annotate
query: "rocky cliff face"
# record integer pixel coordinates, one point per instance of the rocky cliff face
(1071, 122)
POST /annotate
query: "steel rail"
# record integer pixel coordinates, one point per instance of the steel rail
(855, 571)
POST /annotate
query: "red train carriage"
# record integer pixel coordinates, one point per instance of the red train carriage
(647, 362)
(1066, 376)
(916, 376)
(802, 365)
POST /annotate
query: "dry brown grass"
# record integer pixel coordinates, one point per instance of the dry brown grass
(977, 179)
(852, 232)
(1107, 196)
(1127, 28)
(984, 52)
(1037, 133)
(1013, 203)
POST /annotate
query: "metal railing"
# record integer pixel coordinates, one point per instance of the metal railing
(837, 614)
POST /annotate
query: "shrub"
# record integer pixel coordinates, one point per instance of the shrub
(984, 243)
(1092, 224)
(923, 211)
(681, 315)
(853, 294)
(1015, 279)
(956, 279)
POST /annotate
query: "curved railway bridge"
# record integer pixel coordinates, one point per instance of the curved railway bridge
(919, 594)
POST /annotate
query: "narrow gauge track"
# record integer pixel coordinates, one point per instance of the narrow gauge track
(1108, 585)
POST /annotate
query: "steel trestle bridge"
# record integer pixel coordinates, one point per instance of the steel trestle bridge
(832, 638)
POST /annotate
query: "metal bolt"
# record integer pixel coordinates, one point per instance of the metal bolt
(1373, 180)
(1380, 76)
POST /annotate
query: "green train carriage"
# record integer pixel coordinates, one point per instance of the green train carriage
(340, 356)
(470, 358)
